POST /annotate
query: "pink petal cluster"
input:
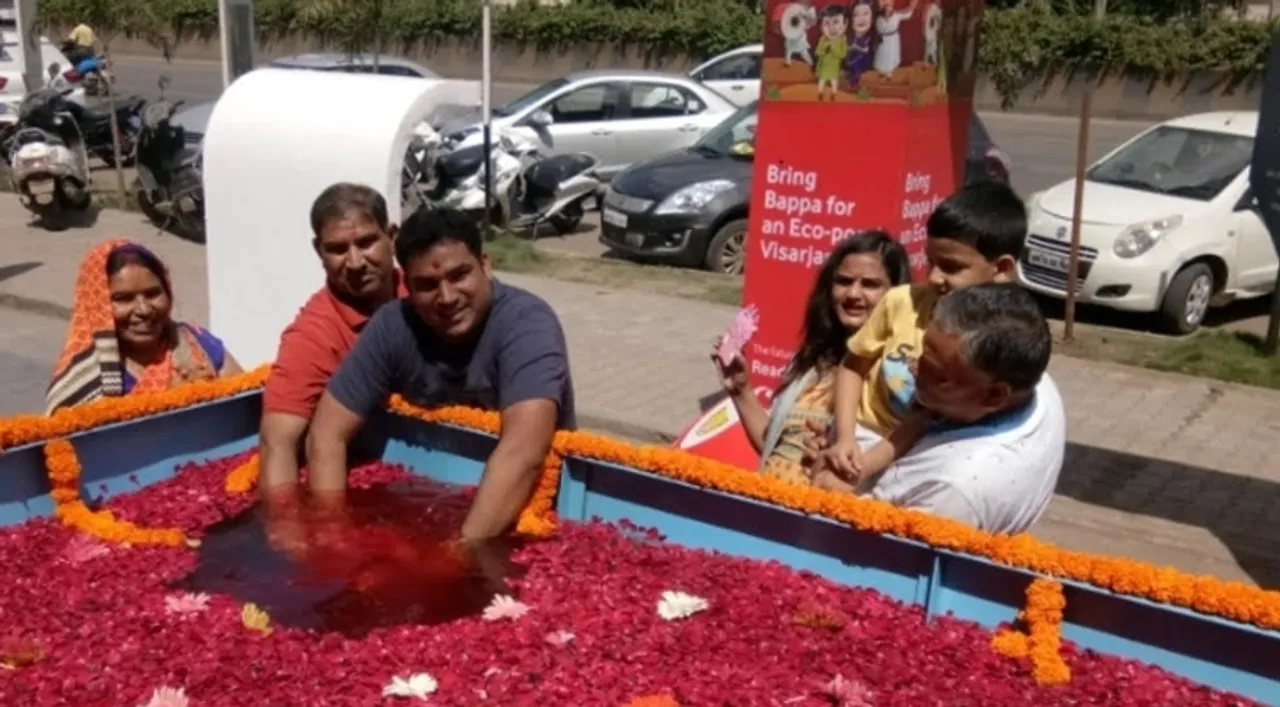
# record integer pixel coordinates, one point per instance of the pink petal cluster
(559, 639)
(109, 640)
(847, 693)
(186, 603)
(168, 697)
(80, 549)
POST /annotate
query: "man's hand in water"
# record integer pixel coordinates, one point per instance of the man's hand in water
(286, 526)
(488, 558)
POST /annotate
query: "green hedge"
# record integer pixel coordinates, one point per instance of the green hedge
(1018, 45)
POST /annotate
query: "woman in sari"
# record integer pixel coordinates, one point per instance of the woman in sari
(122, 339)
(848, 286)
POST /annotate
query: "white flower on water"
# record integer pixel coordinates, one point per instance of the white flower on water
(418, 685)
(504, 607)
(678, 605)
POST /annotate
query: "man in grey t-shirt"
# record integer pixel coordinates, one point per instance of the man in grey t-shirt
(460, 337)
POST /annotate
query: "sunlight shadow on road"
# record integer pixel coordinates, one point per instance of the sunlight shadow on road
(8, 271)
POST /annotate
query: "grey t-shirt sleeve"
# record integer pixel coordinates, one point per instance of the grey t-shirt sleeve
(368, 373)
(533, 360)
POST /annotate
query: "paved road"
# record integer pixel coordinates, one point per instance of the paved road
(30, 346)
(1042, 147)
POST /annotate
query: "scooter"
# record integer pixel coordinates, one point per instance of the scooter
(48, 163)
(169, 188)
(417, 178)
(529, 187)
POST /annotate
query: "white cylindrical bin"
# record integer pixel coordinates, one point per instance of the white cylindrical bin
(276, 139)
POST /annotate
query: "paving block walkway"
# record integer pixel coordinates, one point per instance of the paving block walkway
(1168, 468)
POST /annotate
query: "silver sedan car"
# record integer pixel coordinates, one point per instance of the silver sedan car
(619, 116)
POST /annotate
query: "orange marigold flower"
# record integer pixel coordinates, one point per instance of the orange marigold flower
(244, 477)
(1208, 595)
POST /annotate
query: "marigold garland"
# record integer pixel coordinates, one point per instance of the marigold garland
(538, 518)
(27, 429)
(1206, 594)
(64, 474)
(1042, 619)
(243, 478)
(1235, 601)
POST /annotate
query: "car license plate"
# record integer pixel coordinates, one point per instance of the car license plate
(1047, 260)
(40, 186)
(613, 217)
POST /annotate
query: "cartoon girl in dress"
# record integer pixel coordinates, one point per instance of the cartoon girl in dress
(859, 60)
(889, 53)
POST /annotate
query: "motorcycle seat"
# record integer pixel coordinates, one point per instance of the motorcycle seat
(461, 163)
(546, 175)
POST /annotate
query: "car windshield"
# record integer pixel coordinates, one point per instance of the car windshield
(531, 98)
(732, 133)
(1196, 164)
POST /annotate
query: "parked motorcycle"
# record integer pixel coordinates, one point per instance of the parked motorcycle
(95, 124)
(529, 187)
(49, 166)
(169, 188)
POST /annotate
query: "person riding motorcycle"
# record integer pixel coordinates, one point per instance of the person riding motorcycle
(79, 44)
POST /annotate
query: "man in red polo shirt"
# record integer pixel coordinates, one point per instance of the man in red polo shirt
(353, 238)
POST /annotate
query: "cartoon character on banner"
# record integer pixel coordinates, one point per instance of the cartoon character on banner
(833, 47)
(794, 20)
(859, 60)
(888, 24)
(932, 30)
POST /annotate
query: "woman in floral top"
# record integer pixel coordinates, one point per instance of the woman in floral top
(849, 285)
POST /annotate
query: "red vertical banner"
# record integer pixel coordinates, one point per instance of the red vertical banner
(864, 119)
(863, 124)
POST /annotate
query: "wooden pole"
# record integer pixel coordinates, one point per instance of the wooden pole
(1082, 161)
(121, 193)
(1073, 257)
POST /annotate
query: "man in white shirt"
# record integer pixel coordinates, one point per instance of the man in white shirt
(993, 459)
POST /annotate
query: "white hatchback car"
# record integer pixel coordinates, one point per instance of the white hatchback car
(1169, 225)
(734, 74)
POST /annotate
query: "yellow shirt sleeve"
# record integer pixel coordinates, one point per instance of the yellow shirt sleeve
(874, 335)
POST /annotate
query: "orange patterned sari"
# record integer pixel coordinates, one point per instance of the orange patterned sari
(91, 367)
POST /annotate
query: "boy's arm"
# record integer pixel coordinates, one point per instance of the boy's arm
(893, 448)
(848, 396)
(864, 348)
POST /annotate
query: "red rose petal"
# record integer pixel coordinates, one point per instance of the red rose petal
(107, 640)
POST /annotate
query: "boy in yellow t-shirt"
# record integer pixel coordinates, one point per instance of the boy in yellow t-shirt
(974, 237)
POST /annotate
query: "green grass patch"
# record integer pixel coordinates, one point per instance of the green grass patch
(1235, 357)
